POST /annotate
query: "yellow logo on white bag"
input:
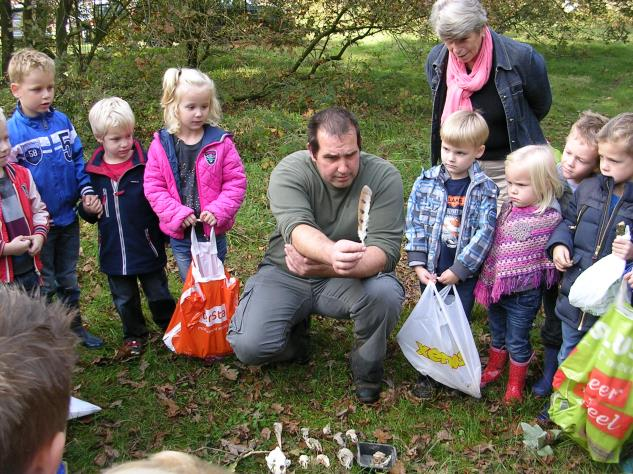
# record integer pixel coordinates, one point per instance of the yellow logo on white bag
(435, 355)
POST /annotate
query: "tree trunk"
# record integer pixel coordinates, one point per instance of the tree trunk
(61, 24)
(28, 28)
(6, 34)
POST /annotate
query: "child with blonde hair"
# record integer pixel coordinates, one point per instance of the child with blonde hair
(46, 143)
(589, 230)
(579, 161)
(194, 174)
(451, 216)
(167, 462)
(517, 266)
(131, 245)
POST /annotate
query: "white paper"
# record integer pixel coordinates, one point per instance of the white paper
(79, 408)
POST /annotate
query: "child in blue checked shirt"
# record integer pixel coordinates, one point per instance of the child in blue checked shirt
(451, 216)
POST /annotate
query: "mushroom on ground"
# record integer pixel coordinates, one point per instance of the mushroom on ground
(323, 460)
(346, 458)
(304, 461)
(338, 437)
(277, 462)
(351, 434)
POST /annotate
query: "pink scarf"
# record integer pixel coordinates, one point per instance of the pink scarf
(460, 84)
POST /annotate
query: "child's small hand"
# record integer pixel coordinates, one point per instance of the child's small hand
(208, 218)
(189, 221)
(92, 204)
(37, 241)
(424, 275)
(629, 279)
(448, 278)
(18, 246)
(622, 247)
(561, 258)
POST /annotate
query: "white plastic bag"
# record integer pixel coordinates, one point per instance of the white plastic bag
(438, 342)
(597, 287)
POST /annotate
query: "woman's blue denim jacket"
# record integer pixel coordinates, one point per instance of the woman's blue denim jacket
(521, 81)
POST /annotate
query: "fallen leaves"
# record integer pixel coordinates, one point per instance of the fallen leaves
(228, 373)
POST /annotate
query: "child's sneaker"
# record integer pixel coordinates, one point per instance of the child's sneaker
(88, 340)
(131, 348)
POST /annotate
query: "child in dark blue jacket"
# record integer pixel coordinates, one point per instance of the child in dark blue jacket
(131, 245)
(588, 232)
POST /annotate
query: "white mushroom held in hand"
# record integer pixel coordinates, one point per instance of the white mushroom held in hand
(323, 460)
(346, 458)
(277, 462)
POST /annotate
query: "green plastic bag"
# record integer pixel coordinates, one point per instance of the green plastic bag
(592, 401)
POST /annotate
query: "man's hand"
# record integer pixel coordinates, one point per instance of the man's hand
(18, 246)
(37, 241)
(448, 278)
(345, 255)
(303, 266)
(208, 218)
(92, 204)
(622, 247)
(189, 221)
(424, 275)
(561, 258)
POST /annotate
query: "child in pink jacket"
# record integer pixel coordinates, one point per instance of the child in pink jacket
(194, 175)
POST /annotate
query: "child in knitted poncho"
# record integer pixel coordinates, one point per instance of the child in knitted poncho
(517, 266)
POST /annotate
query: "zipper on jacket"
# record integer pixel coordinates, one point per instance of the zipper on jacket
(117, 213)
(151, 245)
(104, 202)
(608, 223)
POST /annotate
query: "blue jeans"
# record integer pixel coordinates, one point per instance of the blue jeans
(510, 320)
(571, 338)
(181, 248)
(59, 256)
(127, 299)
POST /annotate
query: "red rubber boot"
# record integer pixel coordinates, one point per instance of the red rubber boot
(496, 362)
(516, 381)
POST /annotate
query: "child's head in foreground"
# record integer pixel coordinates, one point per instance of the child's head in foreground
(189, 101)
(615, 145)
(112, 122)
(166, 462)
(5, 143)
(37, 356)
(32, 78)
(532, 178)
(463, 134)
(580, 156)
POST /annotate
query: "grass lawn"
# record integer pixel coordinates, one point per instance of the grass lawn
(162, 401)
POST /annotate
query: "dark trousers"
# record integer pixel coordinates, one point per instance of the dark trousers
(29, 282)
(127, 299)
(59, 267)
(551, 332)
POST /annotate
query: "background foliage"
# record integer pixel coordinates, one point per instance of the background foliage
(166, 402)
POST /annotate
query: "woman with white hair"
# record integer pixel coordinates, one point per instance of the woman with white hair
(476, 68)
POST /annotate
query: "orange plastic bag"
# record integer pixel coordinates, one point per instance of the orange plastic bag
(209, 298)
